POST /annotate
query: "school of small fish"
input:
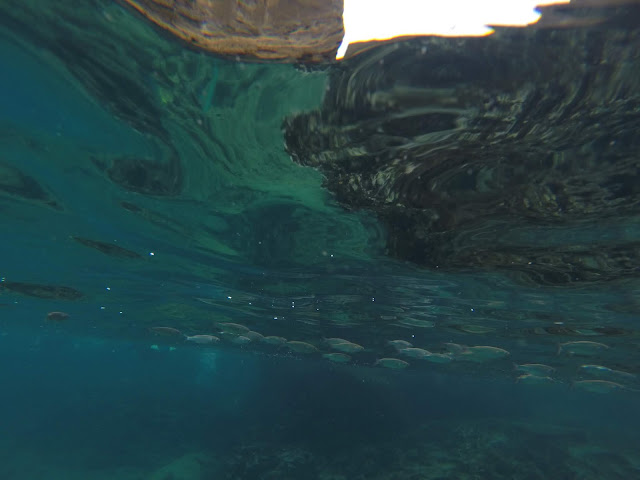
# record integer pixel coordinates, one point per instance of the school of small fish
(398, 354)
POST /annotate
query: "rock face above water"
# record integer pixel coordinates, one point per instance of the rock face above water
(295, 30)
(516, 152)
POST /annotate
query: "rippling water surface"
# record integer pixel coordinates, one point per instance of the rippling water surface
(148, 193)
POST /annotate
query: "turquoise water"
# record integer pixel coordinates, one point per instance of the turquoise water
(149, 197)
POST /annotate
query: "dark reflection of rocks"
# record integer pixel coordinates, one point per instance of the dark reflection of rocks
(98, 67)
(141, 175)
(107, 248)
(43, 291)
(18, 185)
(155, 218)
(478, 152)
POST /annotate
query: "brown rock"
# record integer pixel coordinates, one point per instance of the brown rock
(294, 30)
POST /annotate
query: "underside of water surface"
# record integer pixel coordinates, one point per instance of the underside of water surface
(419, 263)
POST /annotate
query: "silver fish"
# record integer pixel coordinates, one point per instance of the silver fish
(301, 347)
(241, 340)
(57, 316)
(582, 347)
(483, 353)
(599, 386)
(337, 357)
(202, 339)
(272, 340)
(235, 328)
(537, 369)
(347, 347)
(335, 341)
(438, 358)
(394, 363)
(399, 344)
(530, 379)
(413, 352)
(607, 373)
(253, 336)
(454, 348)
(417, 322)
(166, 331)
(475, 329)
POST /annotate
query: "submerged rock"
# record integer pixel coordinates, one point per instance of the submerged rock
(191, 466)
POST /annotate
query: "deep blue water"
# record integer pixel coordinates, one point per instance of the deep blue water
(102, 395)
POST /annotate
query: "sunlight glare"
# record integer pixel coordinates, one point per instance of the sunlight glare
(367, 20)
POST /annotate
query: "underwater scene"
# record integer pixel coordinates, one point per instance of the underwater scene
(421, 262)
